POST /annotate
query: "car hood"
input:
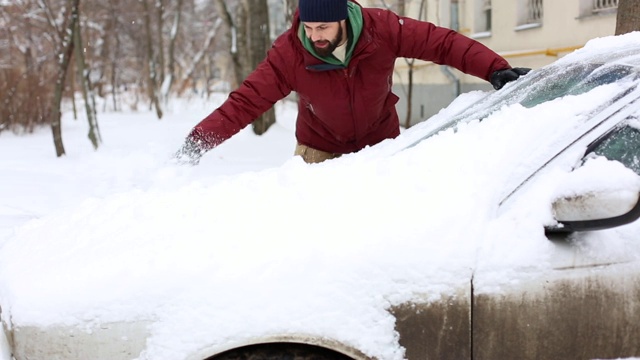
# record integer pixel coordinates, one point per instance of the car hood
(323, 249)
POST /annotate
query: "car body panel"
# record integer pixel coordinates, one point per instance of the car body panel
(109, 341)
(429, 330)
(5, 345)
(127, 340)
(588, 312)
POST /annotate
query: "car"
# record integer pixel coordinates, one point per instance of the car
(584, 305)
(520, 211)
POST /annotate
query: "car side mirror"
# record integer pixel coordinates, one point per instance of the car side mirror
(600, 194)
(595, 211)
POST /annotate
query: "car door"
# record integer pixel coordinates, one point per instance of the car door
(436, 329)
(586, 305)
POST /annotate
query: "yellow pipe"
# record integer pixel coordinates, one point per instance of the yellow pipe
(546, 52)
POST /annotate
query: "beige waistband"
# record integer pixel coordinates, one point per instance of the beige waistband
(311, 155)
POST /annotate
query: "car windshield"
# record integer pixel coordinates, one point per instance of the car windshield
(540, 86)
(575, 80)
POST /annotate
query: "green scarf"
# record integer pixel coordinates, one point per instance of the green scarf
(354, 30)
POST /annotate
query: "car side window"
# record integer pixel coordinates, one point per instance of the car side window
(622, 144)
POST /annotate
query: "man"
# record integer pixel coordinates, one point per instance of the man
(339, 58)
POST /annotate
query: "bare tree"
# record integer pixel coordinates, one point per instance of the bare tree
(121, 47)
(236, 39)
(152, 78)
(173, 36)
(257, 44)
(113, 43)
(159, 4)
(410, 65)
(198, 58)
(290, 7)
(628, 18)
(384, 4)
(248, 36)
(85, 85)
(63, 66)
(28, 62)
(401, 8)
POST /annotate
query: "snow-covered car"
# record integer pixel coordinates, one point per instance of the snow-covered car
(502, 228)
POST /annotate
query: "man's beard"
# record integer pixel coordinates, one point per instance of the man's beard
(333, 44)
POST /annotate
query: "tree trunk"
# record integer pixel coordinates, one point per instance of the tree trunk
(407, 121)
(258, 43)
(401, 8)
(232, 33)
(249, 40)
(72, 91)
(242, 59)
(410, 64)
(116, 53)
(173, 35)
(290, 7)
(63, 66)
(105, 50)
(628, 18)
(152, 79)
(85, 87)
(33, 77)
(160, 25)
(198, 58)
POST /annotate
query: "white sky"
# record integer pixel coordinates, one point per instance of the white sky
(253, 241)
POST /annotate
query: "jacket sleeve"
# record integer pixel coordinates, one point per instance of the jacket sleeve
(426, 41)
(258, 92)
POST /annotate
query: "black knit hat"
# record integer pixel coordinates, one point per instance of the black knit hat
(322, 10)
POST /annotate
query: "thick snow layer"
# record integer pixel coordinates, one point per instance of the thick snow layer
(254, 242)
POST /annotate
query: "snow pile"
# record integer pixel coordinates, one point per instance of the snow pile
(254, 242)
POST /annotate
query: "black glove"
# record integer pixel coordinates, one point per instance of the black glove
(500, 77)
(189, 154)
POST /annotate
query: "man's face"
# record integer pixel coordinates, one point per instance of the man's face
(325, 37)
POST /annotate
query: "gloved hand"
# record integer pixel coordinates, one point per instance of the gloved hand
(189, 154)
(500, 77)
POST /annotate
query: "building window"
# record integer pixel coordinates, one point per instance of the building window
(604, 5)
(534, 11)
(590, 8)
(482, 19)
(529, 14)
(486, 14)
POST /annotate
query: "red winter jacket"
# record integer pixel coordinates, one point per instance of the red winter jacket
(344, 110)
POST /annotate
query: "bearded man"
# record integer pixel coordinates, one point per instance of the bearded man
(339, 58)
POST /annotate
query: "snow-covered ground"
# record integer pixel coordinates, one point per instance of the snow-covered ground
(123, 233)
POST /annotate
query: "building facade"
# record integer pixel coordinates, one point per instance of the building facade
(528, 33)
